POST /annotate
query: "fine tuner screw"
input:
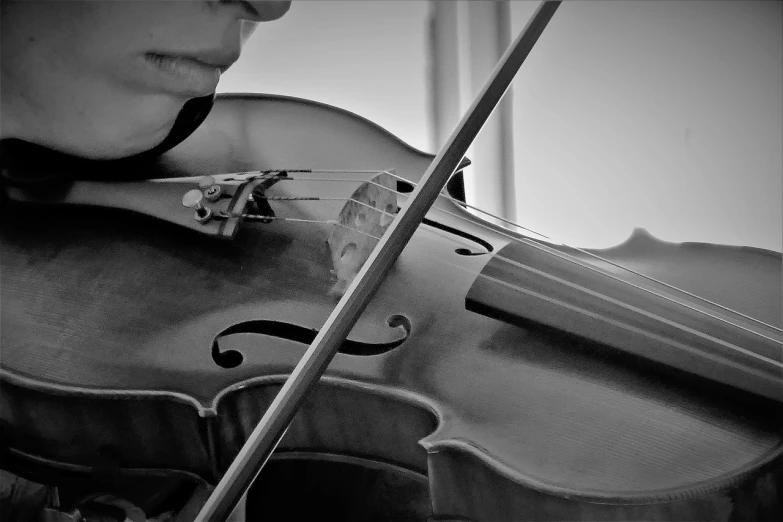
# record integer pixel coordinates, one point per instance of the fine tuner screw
(210, 188)
(193, 199)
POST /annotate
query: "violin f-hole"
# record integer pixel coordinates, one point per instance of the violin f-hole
(233, 358)
(227, 359)
(463, 251)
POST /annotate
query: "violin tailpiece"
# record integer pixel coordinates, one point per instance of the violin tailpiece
(209, 207)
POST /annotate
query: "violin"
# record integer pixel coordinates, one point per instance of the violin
(515, 377)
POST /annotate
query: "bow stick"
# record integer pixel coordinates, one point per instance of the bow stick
(272, 426)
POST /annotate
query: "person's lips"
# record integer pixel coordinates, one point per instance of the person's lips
(220, 58)
(191, 73)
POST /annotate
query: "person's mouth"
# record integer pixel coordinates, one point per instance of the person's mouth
(191, 74)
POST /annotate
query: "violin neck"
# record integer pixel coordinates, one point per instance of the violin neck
(531, 286)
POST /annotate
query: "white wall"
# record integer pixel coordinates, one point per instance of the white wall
(366, 57)
(664, 115)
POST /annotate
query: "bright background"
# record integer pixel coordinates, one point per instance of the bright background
(664, 115)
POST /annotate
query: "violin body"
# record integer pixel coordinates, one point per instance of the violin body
(128, 336)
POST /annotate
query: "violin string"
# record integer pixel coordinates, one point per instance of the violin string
(444, 196)
(585, 252)
(230, 178)
(321, 221)
(261, 217)
(570, 258)
(323, 180)
(513, 238)
(517, 288)
(557, 302)
(305, 198)
(520, 289)
(565, 257)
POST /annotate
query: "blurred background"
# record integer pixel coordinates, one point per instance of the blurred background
(664, 115)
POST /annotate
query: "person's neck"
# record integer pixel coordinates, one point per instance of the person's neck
(9, 125)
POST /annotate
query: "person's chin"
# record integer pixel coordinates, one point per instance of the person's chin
(148, 141)
(155, 122)
(126, 126)
(119, 147)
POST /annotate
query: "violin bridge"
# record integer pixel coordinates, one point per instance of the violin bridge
(359, 226)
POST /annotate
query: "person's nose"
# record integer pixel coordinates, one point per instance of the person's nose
(264, 11)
